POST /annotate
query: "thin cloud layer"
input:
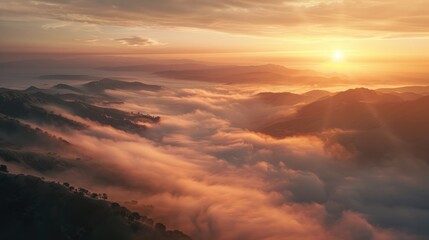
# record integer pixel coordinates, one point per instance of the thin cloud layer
(275, 17)
(137, 41)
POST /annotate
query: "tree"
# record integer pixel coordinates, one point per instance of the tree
(136, 215)
(104, 196)
(160, 227)
(3, 168)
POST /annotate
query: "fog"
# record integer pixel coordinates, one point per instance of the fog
(207, 170)
(203, 169)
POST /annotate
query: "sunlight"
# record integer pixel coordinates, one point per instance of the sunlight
(214, 120)
(337, 56)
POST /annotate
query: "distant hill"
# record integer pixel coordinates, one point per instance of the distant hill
(34, 209)
(31, 107)
(407, 95)
(111, 84)
(346, 110)
(268, 73)
(363, 95)
(156, 67)
(424, 90)
(316, 94)
(4, 89)
(67, 87)
(26, 106)
(92, 88)
(66, 77)
(15, 133)
(32, 89)
(44, 163)
(287, 98)
(362, 110)
(283, 98)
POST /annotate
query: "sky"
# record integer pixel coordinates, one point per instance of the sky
(286, 31)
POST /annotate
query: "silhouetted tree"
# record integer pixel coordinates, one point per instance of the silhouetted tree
(3, 168)
(83, 191)
(104, 196)
(160, 227)
(149, 221)
(136, 215)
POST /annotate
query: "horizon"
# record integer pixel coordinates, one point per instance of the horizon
(214, 120)
(390, 35)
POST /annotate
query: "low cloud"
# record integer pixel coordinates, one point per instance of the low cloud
(275, 17)
(204, 173)
(137, 41)
(56, 25)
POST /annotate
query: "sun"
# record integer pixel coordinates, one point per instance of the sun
(337, 56)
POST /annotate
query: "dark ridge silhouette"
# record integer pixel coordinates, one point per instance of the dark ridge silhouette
(17, 134)
(35, 209)
(26, 106)
(30, 107)
(4, 89)
(287, 98)
(97, 87)
(91, 99)
(3, 168)
(364, 95)
(407, 95)
(108, 116)
(317, 94)
(66, 77)
(32, 89)
(268, 73)
(345, 110)
(40, 162)
(156, 67)
(423, 90)
(283, 98)
(118, 119)
(370, 114)
(111, 84)
(67, 87)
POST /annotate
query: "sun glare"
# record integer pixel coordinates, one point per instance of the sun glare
(337, 56)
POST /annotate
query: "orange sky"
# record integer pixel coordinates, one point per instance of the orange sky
(308, 32)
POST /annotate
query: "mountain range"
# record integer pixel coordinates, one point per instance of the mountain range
(362, 113)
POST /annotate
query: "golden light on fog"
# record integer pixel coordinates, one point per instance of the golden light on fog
(224, 119)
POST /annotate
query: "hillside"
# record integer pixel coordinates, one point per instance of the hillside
(32, 107)
(35, 209)
(366, 116)
(111, 84)
(346, 110)
(15, 133)
(287, 98)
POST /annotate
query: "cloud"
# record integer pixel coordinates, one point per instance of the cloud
(56, 25)
(206, 174)
(92, 40)
(137, 41)
(274, 17)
